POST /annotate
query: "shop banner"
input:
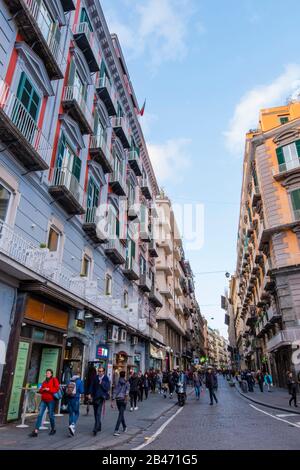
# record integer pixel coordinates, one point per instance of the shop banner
(20, 370)
(49, 361)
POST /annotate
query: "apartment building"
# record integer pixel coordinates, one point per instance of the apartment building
(77, 192)
(267, 311)
(217, 354)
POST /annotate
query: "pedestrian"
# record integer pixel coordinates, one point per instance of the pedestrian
(49, 388)
(98, 393)
(120, 395)
(134, 389)
(260, 380)
(250, 381)
(73, 391)
(89, 378)
(153, 382)
(197, 384)
(146, 385)
(173, 379)
(210, 382)
(165, 383)
(292, 384)
(268, 381)
(159, 378)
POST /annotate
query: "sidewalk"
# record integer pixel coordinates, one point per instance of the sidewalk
(138, 421)
(278, 398)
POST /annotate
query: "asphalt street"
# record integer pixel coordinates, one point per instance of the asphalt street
(233, 424)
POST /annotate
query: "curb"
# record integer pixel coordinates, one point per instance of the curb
(274, 407)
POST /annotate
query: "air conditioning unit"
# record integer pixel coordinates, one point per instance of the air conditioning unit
(112, 333)
(122, 336)
(134, 340)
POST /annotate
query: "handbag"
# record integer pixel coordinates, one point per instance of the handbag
(59, 394)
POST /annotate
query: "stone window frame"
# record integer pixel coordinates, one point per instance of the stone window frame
(12, 185)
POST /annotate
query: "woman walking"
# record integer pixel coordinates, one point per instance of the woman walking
(49, 388)
(134, 388)
(292, 385)
(197, 384)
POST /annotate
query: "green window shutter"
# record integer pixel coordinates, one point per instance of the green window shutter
(76, 170)
(90, 194)
(28, 96)
(85, 19)
(295, 195)
(298, 147)
(61, 151)
(96, 196)
(118, 228)
(102, 69)
(280, 156)
(72, 72)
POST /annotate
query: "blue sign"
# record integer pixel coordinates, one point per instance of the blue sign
(102, 351)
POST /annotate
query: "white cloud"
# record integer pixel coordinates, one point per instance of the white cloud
(170, 159)
(155, 28)
(247, 110)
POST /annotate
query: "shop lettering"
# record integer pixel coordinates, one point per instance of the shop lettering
(111, 460)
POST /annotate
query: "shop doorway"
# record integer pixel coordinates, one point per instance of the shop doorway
(73, 359)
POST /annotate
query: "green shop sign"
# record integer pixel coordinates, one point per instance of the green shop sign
(20, 369)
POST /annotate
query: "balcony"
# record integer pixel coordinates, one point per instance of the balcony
(36, 31)
(121, 129)
(178, 289)
(145, 232)
(167, 291)
(117, 182)
(66, 191)
(286, 169)
(177, 270)
(145, 283)
(155, 297)
(166, 245)
(178, 307)
(146, 188)
(131, 269)
(93, 228)
(75, 105)
(116, 251)
(135, 162)
(153, 253)
(100, 153)
(107, 94)
(21, 134)
(86, 40)
(284, 338)
(169, 317)
(255, 197)
(165, 267)
(133, 209)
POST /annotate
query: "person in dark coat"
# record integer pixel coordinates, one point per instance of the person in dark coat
(120, 394)
(134, 383)
(250, 381)
(141, 386)
(211, 383)
(146, 385)
(99, 392)
(292, 385)
(260, 380)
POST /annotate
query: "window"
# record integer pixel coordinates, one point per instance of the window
(283, 119)
(86, 266)
(130, 251)
(125, 299)
(108, 284)
(131, 194)
(5, 197)
(29, 97)
(113, 222)
(85, 19)
(99, 130)
(67, 159)
(295, 197)
(45, 21)
(93, 194)
(288, 156)
(53, 239)
(143, 265)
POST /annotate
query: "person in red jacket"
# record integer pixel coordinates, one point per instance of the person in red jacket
(49, 387)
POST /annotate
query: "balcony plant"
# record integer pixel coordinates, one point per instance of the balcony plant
(43, 245)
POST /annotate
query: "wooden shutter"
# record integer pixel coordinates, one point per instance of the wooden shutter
(295, 195)
(72, 72)
(298, 147)
(76, 170)
(280, 156)
(61, 151)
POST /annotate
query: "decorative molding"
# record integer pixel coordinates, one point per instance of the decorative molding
(72, 129)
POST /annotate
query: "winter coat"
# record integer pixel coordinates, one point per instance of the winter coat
(211, 380)
(53, 385)
(99, 389)
(122, 390)
(134, 382)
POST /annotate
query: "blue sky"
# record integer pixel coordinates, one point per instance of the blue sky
(206, 67)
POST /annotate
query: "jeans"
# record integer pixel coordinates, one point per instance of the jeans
(133, 399)
(261, 386)
(197, 391)
(146, 392)
(212, 395)
(121, 404)
(50, 405)
(97, 414)
(73, 407)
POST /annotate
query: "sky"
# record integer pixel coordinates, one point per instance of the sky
(206, 68)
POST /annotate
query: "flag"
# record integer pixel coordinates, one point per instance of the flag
(143, 109)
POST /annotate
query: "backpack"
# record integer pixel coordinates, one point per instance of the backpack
(71, 389)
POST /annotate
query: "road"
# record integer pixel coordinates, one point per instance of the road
(233, 424)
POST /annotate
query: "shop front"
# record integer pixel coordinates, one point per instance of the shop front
(157, 357)
(40, 346)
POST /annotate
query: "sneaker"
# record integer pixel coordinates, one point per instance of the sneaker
(72, 429)
(52, 432)
(131, 409)
(33, 434)
(125, 429)
(116, 433)
(136, 408)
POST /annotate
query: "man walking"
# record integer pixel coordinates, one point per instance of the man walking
(292, 385)
(120, 394)
(73, 391)
(134, 382)
(260, 380)
(211, 383)
(99, 392)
